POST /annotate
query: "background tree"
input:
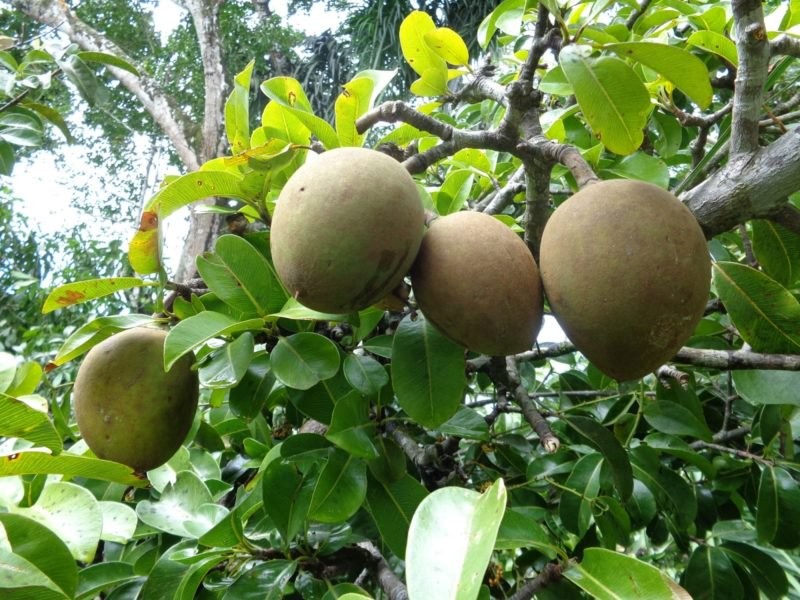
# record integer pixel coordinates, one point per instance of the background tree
(366, 454)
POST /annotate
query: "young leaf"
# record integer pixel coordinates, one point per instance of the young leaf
(237, 115)
(612, 98)
(427, 372)
(450, 542)
(289, 93)
(766, 314)
(350, 105)
(304, 359)
(83, 291)
(687, 72)
(340, 490)
(229, 364)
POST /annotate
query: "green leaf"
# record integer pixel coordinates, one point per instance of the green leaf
(318, 401)
(8, 370)
(229, 364)
(340, 490)
(248, 397)
(450, 541)
(352, 103)
(241, 277)
(392, 507)
(70, 294)
(19, 419)
(670, 417)
(94, 579)
(390, 465)
(178, 573)
(466, 423)
(768, 387)
(454, 191)
(119, 522)
(641, 166)
(507, 13)
(419, 55)
(768, 575)
(68, 465)
(53, 116)
(777, 250)
(612, 98)
(85, 337)
(25, 380)
(710, 576)
(604, 441)
(237, 114)
(608, 575)
(289, 93)
(427, 372)
(670, 490)
(39, 559)
(778, 508)
(109, 60)
(287, 497)
(351, 428)
(582, 486)
(21, 129)
(520, 529)
(195, 186)
(292, 309)
(72, 513)
(7, 158)
(265, 581)
(716, 43)
(447, 44)
(365, 374)
(304, 359)
(686, 71)
(766, 314)
(191, 333)
(84, 79)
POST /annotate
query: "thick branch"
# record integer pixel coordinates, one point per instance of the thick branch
(502, 198)
(391, 584)
(730, 360)
(753, 50)
(785, 45)
(529, 411)
(537, 203)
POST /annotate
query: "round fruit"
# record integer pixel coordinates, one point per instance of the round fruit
(128, 408)
(477, 282)
(346, 228)
(626, 271)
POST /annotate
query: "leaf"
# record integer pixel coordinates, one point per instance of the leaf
(365, 374)
(710, 575)
(84, 79)
(507, 11)
(70, 294)
(144, 249)
(427, 372)
(229, 364)
(173, 577)
(351, 104)
(289, 93)
(248, 397)
(670, 417)
(450, 542)
(195, 186)
(604, 441)
(340, 490)
(766, 314)
(419, 55)
(519, 529)
(777, 250)
(109, 60)
(265, 581)
(608, 575)
(19, 420)
(447, 44)
(686, 71)
(7, 158)
(237, 115)
(94, 332)
(351, 428)
(466, 423)
(68, 465)
(432, 83)
(25, 380)
(455, 191)
(39, 559)
(582, 486)
(671, 491)
(304, 359)
(21, 129)
(73, 513)
(765, 570)
(392, 506)
(643, 167)
(94, 579)
(191, 333)
(778, 508)
(612, 98)
(119, 522)
(716, 43)
(287, 497)
(768, 387)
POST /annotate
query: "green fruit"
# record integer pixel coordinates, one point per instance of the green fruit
(128, 408)
(346, 228)
(477, 282)
(627, 273)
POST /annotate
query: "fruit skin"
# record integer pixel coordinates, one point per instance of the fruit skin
(478, 283)
(128, 409)
(346, 228)
(626, 271)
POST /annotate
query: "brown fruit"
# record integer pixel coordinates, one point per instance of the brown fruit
(627, 273)
(128, 408)
(477, 282)
(346, 228)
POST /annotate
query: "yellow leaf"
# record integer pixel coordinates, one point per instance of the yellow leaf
(432, 83)
(415, 49)
(449, 45)
(144, 252)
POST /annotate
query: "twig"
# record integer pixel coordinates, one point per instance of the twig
(497, 202)
(667, 373)
(731, 360)
(638, 12)
(700, 444)
(550, 573)
(391, 584)
(529, 411)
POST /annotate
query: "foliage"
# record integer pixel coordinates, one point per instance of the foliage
(327, 444)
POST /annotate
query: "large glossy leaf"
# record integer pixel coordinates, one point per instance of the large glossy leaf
(289, 93)
(768, 575)
(451, 540)
(21, 129)
(193, 332)
(766, 314)
(304, 359)
(670, 490)
(237, 114)
(603, 440)
(609, 575)
(507, 17)
(448, 45)
(195, 186)
(69, 465)
(612, 98)
(351, 428)
(365, 374)
(21, 420)
(341, 488)
(178, 573)
(768, 387)
(670, 417)
(454, 191)
(83, 291)
(777, 250)
(392, 507)
(39, 560)
(265, 581)
(716, 43)
(581, 487)
(287, 497)
(686, 71)
(710, 576)
(521, 529)
(778, 508)
(351, 103)
(73, 513)
(241, 277)
(228, 365)
(427, 372)
(94, 579)
(248, 397)
(119, 522)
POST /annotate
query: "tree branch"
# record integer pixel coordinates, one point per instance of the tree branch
(497, 203)
(391, 584)
(550, 573)
(789, 217)
(531, 414)
(785, 45)
(730, 360)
